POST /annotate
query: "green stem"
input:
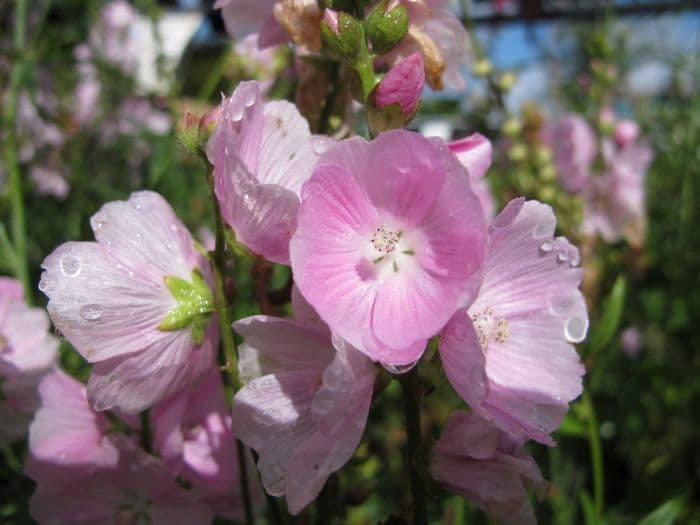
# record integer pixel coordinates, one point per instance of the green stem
(596, 455)
(245, 489)
(416, 453)
(18, 227)
(368, 78)
(228, 343)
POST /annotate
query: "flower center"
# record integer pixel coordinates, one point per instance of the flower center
(385, 241)
(490, 328)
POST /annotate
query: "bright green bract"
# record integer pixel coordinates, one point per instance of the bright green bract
(194, 305)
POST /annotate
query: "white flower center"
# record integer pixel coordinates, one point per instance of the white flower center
(390, 251)
(490, 328)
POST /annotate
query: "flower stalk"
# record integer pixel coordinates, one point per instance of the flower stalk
(18, 227)
(416, 452)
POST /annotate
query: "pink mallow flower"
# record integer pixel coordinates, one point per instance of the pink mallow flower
(135, 303)
(247, 17)
(27, 352)
(305, 402)
(475, 154)
(573, 142)
(488, 467)
(86, 474)
(402, 85)
(509, 355)
(262, 154)
(389, 235)
(192, 434)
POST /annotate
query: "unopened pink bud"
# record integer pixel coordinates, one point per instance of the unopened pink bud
(403, 84)
(209, 120)
(626, 132)
(330, 18)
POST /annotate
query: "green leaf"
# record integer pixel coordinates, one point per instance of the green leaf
(666, 514)
(194, 305)
(8, 257)
(612, 314)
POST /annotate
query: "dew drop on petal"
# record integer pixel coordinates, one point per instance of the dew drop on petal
(250, 98)
(70, 265)
(399, 369)
(563, 255)
(546, 246)
(319, 145)
(237, 113)
(91, 312)
(142, 202)
(575, 329)
(47, 283)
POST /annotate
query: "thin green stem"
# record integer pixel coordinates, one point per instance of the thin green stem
(416, 453)
(228, 343)
(245, 488)
(596, 455)
(18, 222)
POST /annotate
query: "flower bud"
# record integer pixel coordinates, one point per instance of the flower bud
(397, 95)
(387, 25)
(506, 81)
(606, 121)
(342, 37)
(483, 68)
(626, 132)
(403, 84)
(187, 132)
(512, 126)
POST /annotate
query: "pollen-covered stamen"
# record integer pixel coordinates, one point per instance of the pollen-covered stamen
(490, 328)
(385, 241)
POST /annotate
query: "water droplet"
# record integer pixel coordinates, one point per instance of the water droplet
(70, 265)
(47, 283)
(250, 98)
(94, 281)
(319, 145)
(563, 255)
(237, 113)
(546, 246)
(575, 329)
(575, 258)
(142, 201)
(399, 369)
(91, 312)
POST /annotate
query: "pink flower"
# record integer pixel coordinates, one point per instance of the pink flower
(247, 17)
(574, 144)
(305, 402)
(509, 355)
(66, 434)
(135, 303)
(626, 132)
(488, 467)
(262, 154)
(402, 85)
(49, 182)
(437, 34)
(614, 202)
(113, 37)
(27, 352)
(389, 234)
(631, 341)
(138, 488)
(475, 154)
(192, 433)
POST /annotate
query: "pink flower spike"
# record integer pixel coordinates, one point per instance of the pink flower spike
(137, 489)
(135, 303)
(402, 85)
(488, 467)
(509, 355)
(305, 405)
(389, 235)
(27, 352)
(192, 433)
(262, 154)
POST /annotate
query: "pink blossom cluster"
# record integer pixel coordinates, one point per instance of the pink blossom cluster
(607, 170)
(390, 247)
(434, 32)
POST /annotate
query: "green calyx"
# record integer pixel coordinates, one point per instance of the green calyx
(386, 29)
(348, 44)
(194, 305)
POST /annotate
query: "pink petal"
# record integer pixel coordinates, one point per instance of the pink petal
(475, 154)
